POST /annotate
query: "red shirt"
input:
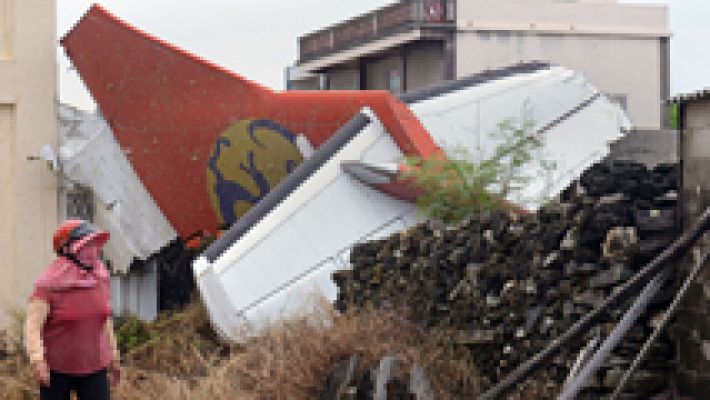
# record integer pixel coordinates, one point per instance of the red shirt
(74, 334)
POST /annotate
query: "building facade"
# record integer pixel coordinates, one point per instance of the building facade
(692, 330)
(28, 121)
(623, 49)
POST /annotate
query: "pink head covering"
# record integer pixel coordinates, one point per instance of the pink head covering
(100, 237)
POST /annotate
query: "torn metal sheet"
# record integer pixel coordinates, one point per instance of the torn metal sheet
(575, 121)
(90, 156)
(285, 249)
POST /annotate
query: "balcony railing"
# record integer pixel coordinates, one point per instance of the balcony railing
(399, 16)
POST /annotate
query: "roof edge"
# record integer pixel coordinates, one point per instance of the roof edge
(701, 94)
(475, 79)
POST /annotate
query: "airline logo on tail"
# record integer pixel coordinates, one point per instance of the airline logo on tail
(248, 159)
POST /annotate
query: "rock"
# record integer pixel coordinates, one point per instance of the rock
(385, 373)
(655, 220)
(340, 380)
(505, 284)
(419, 384)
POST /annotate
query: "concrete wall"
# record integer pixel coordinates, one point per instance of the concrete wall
(692, 328)
(425, 65)
(649, 147)
(344, 79)
(28, 199)
(618, 47)
(304, 84)
(607, 16)
(377, 72)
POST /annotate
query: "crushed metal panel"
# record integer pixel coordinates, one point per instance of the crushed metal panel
(250, 282)
(90, 156)
(246, 285)
(577, 123)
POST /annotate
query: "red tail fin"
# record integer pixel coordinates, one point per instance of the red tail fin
(166, 108)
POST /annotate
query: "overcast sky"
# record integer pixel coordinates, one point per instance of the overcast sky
(258, 38)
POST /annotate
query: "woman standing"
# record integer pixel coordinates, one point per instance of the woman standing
(68, 333)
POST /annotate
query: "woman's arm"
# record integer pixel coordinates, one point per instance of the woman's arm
(115, 366)
(37, 313)
(112, 340)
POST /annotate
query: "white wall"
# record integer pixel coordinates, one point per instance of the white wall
(28, 198)
(622, 67)
(608, 16)
(616, 46)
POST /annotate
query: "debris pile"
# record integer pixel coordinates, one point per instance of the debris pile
(389, 381)
(176, 282)
(504, 284)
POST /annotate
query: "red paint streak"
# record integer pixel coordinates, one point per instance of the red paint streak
(167, 107)
(403, 189)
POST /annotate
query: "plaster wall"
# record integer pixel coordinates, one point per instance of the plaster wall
(618, 47)
(608, 16)
(632, 69)
(28, 120)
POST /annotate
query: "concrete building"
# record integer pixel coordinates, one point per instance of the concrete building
(28, 120)
(622, 48)
(692, 331)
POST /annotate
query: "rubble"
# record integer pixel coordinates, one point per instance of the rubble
(389, 381)
(176, 285)
(504, 284)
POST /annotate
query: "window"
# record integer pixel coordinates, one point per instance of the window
(80, 204)
(395, 81)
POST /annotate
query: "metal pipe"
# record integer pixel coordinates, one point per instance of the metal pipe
(630, 317)
(677, 248)
(582, 358)
(664, 320)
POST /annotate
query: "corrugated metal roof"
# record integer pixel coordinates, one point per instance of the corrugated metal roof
(702, 94)
(473, 80)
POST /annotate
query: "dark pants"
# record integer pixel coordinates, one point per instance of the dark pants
(87, 387)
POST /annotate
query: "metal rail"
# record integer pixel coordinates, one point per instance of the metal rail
(664, 320)
(634, 312)
(583, 357)
(675, 250)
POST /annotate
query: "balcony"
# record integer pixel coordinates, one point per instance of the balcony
(399, 17)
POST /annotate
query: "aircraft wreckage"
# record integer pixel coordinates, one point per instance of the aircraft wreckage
(301, 176)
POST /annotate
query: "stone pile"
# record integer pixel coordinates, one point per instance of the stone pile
(389, 381)
(504, 284)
